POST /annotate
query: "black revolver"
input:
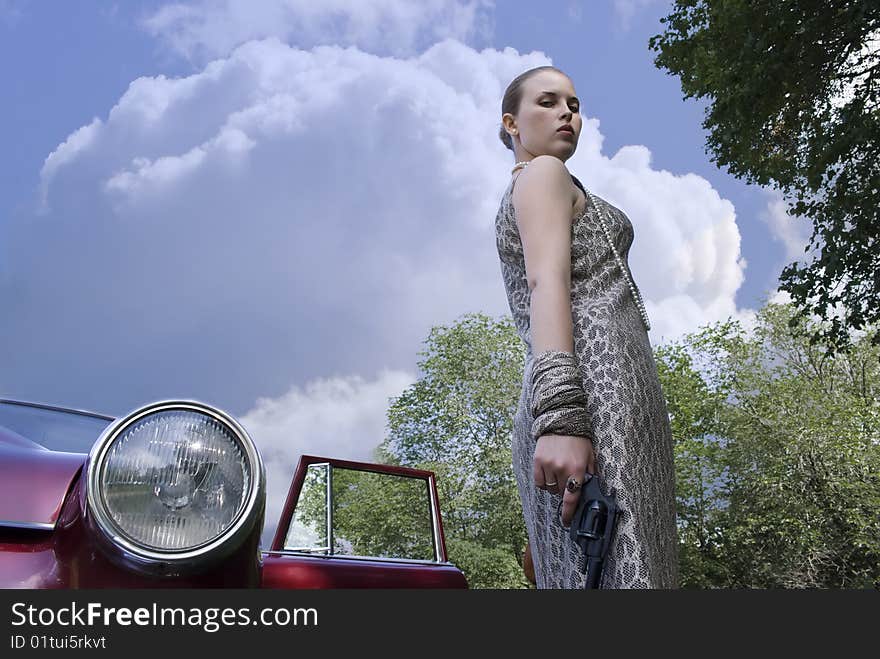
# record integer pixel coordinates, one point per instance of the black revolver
(592, 527)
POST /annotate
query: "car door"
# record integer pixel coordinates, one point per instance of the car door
(359, 525)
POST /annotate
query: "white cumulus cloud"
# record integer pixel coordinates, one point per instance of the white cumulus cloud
(66, 152)
(685, 256)
(283, 215)
(390, 27)
(792, 232)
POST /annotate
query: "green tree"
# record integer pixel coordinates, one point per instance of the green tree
(792, 454)
(372, 514)
(694, 411)
(777, 452)
(456, 420)
(793, 103)
(381, 515)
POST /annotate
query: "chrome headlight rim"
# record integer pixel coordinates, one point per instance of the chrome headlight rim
(242, 523)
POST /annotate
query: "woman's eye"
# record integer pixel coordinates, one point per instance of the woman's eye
(575, 108)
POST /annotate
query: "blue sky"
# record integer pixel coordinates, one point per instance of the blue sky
(267, 206)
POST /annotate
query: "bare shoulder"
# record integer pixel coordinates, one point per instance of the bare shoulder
(545, 163)
(543, 170)
(544, 184)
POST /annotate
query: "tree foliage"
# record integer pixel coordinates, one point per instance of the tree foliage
(372, 514)
(777, 456)
(777, 452)
(793, 102)
(456, 420)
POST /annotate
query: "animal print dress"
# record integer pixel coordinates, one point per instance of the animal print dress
(630, 426)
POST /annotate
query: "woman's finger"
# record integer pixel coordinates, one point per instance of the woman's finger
(570, 498)
(543, 479)
(552, 483)
(538, 474)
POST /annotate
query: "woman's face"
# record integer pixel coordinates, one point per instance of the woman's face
(548, 102)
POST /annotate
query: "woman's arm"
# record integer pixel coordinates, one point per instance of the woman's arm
(543, 199)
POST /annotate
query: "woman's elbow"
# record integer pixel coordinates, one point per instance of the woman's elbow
(549, 281)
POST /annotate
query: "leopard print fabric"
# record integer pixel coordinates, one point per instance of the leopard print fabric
(628, 416)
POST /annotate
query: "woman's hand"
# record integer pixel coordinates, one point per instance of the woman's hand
(559, 457)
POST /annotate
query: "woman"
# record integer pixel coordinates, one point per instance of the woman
(591, 400)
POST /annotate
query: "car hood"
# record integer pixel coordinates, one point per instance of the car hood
(33, 482)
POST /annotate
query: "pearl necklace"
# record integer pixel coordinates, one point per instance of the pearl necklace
(633, 289)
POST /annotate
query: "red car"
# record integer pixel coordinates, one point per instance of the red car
(173, 495)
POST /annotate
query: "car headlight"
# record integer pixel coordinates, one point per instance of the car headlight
(174, 480)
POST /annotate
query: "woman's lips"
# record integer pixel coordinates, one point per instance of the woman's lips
(563, 131)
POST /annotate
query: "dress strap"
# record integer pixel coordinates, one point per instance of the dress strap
(520, 165)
